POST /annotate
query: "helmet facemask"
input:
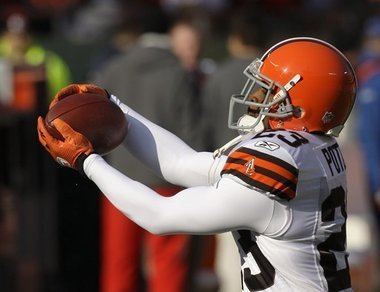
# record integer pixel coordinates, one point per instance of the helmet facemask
(275, 103)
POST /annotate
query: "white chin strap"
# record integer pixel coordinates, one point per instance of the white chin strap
(245, 121)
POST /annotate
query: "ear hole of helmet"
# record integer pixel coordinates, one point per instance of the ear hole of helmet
(298, 112)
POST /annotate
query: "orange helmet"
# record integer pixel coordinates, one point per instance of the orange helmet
(310, 86)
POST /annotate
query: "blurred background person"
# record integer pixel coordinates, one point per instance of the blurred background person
(243, 43)
(187, 34)
(368, 105)
(30, 75)
(125, 36)
(19, 47)
(151, 78)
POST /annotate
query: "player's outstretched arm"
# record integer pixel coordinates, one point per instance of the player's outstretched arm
(197, 210)
(168, 155)
(159, 149)
(204, 209)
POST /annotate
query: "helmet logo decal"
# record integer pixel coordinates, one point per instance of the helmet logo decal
(328, 117)
(279, 124)
(250, 165)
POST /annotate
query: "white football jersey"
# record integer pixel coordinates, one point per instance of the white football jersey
(307, 174)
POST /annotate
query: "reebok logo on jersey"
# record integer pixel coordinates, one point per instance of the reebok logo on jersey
(250, 167)
(271, 146)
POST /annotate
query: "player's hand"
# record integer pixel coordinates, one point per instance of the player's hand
(70, 152)
(78, 88)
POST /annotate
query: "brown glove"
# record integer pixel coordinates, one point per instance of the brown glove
(70, 152)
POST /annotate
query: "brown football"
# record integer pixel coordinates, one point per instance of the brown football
(96, 117)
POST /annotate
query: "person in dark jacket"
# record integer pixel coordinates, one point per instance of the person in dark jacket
(153, 81)
(243, 44)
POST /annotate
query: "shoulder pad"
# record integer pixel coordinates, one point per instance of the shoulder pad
(264, 165)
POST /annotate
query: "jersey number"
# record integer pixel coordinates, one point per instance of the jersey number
(295, 140)
(265, 278)
(334, 259)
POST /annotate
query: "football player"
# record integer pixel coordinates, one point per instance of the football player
(281, 190)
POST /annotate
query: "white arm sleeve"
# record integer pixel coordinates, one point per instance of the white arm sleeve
(198, 210)
(168, 155)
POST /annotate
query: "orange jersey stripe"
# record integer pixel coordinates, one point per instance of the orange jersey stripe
(266, 164)
(263, 171)
(274, 184)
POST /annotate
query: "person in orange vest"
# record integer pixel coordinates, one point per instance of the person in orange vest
(18, 48)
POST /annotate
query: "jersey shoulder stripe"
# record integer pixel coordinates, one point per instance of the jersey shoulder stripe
(280, 175)
(263, 171)
(268, 158)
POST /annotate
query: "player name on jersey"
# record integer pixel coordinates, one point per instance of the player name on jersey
(334, 159)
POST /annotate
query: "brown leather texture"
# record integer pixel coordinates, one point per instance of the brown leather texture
(97, 118)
